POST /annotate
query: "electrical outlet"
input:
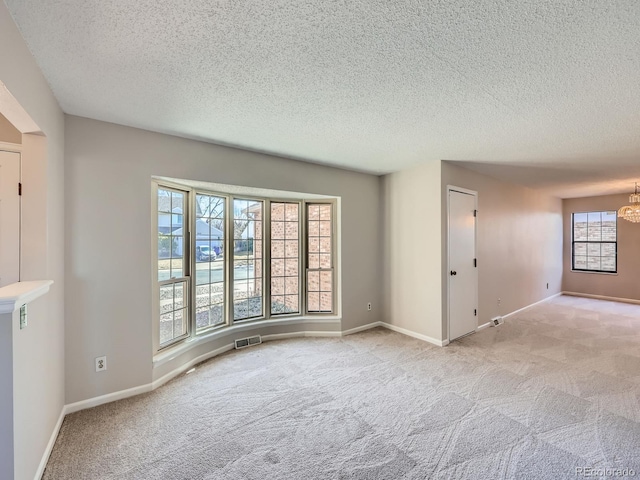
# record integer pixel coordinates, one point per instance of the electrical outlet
(101, 364)
(499, 302)
(369, 306)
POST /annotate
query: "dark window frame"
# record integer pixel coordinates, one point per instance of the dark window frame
(587, 242)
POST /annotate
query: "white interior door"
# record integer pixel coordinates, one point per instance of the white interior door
(9, 218)
(463, 278)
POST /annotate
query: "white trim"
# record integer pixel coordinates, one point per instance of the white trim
(11, 147)
(483, 326)
(531, 305)
(322, 334)
(13, 296)
(183, 347)
(108, 398)
(603, 297)
(52, 440)
(419, 336)
(362, 328)
(283, 336)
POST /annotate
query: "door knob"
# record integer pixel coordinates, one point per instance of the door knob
(453, 272)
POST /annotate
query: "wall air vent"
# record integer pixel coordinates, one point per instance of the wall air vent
(248, 342)
(495, 321)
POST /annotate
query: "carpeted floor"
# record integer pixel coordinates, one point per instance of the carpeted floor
(557, 387)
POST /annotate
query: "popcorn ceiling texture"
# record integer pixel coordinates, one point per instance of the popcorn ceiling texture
(368, 85)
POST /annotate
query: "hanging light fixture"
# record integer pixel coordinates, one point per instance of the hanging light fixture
(631, 212)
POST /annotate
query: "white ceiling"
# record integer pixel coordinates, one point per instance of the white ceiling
(544, 92)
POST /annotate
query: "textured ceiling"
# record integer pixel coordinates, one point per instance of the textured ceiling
(548, 88)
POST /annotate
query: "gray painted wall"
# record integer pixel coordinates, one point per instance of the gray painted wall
(108, 226)
(625, 283)
(412, 281)
(519, 243)
(39, 388)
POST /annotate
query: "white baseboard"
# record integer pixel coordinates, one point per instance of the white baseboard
(284, 336)
(50, 444)
(110, 397)
(362, 328)
(603, 297)
(419, 336)
(483, 326)
(531, 305)
(323, 334)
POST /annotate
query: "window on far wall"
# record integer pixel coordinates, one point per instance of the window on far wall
(595, 246)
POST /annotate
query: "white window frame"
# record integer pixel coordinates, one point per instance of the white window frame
(186, 267)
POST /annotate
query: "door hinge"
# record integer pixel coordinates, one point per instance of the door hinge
(19, 188)
(475, 312)
(475, 262)
(475, 213)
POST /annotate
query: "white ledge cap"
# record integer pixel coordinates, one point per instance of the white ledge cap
(13, 296)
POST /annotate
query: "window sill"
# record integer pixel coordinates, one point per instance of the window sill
(594, 273)
(175, 351)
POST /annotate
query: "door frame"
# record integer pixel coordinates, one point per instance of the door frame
(453, 188)
(17, 149)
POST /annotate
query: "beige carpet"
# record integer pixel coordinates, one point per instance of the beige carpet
(555, 388)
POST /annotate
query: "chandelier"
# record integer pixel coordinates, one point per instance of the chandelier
(631, 212)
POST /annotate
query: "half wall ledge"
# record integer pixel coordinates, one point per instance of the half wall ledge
(13, 296)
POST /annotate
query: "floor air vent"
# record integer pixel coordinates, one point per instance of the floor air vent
(248, 342)
(497, 321)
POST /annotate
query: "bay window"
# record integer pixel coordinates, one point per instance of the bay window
(224, 259)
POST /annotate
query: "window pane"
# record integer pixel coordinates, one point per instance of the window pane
(608, 249)
(166, 299)
(594, 227)
(580, 262)
(593, 250)
(609, 225)
(580, 249)
(608, 264)
(594, 241)
(248, 253)
(319, 264)
(292, 303)
(285, 259)
(173, 293)
(173, 311)
(291, 248)
(166, 328)
(164, 200)
(277, 267)
(208, 248)
(579, 227)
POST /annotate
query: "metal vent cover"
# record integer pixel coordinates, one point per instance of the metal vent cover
(248, 342)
